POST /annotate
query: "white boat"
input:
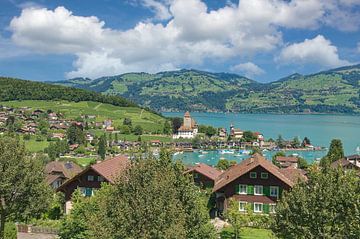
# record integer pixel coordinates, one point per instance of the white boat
(244, 151)
(226, 151)
(201, 155)
(358, 149)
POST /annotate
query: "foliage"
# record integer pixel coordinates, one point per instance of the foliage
(295, 143)
(281, 154)
(224, 164)
(167, 128)
(10, 231)
(305, 142)
(302, 163)
(249, 136)
(125, 129)
(335, 153)
(102, 147)
(54, 150)
(138, 130)
(326, 206)
(153, 199)
(24, 175)
(176, 123)
(128, 122)
(280, 142)
(328, 91)
(75, 134)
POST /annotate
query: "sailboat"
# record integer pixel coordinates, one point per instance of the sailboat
(358, 149)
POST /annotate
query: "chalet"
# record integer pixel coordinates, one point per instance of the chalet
(155, 143)
(236, 133)
(348, 163)
(109, 128)
(222, 133)
(91, 178)
(53, 116)
(188, 129)
(255, 182)
(59, 136)
(57, 172)
(286, 162)
(355, 159)
(204, 175)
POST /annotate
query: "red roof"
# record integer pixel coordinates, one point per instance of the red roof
(187, 114)
(68, 169)
(287, 159)
(205, 170)
(111, 168)
(247, 165)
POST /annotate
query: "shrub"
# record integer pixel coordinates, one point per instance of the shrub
(10, 230)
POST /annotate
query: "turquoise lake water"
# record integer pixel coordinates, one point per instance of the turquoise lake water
(319, 128)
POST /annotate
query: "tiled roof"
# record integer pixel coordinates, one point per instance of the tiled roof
(68, 169)
(50, 178)
(287, 159)
(187, 114)
(111, 168)
(294, 174)
(245, 166)
(205, 170)
(343, 163)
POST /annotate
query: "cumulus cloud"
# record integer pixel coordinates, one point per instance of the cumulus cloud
(249, 69)
(191, 34)
(318, 51)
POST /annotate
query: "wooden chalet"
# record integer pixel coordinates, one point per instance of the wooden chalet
(204, 175)
(91, 178)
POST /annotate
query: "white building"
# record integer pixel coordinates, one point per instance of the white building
(188, 129)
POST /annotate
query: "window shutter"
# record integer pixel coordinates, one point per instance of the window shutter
(237, 189)
(266, 190)
(266, 208)
(280, 191)
(250, 189)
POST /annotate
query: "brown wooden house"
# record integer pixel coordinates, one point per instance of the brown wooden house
(256, 183)
(57, 172)
(91, 178)
(204, 175)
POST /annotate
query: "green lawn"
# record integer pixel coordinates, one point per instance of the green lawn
(255, 233)
(35, 146)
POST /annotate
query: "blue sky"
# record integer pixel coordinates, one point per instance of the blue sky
(261, 39)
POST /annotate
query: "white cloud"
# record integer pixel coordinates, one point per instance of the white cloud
(161, 9)
(318, 50)
(248, 68)
(191, 35)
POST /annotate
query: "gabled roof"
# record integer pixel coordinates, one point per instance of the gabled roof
(109, 169)
(286, 159)
(247, 165)
(344, 163)
(68, 169)
(205, 170)
(294, 174)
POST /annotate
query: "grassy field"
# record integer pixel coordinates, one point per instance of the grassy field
(35, 146)
(255, 233)
(149, 121)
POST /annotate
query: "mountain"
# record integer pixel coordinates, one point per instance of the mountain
(332, 91)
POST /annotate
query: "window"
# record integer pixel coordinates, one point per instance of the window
(274, 191)
(88, 192)
(242, 189)
(253, 175)
(90, 178)
(100, 179)
(272, 208)
(258, 207)
(264, 175)
(242, 206)
(82, 190)
(258, 190)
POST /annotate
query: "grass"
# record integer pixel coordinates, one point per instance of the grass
(71, 110)
(256, 233)
(35, 146)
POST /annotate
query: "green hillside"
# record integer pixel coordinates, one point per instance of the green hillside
(333, 91)
(76, 102)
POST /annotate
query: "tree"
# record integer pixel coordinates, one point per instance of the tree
(302, 163)
(153, 199)
(124, 129)
(23, 193)
(295, 143)
(326, 206)
(249, 136)
(305, 142)
(224, 164)
(167, 128)
(335, 152)
(43, 126)
(102, 147)
(280, 153)
(128, 122)
(176, 123)
(138, 130)
(280, 141)
(116, 137)
(210, 131)
(75, 134)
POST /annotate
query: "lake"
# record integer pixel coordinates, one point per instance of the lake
(320, 129)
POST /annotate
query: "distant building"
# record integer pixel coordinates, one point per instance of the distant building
(222, 133)
(351, 162)
(57, 172)
(286, 162)
(90, 179)
(188, 129)
(204, 175)
(236, 133)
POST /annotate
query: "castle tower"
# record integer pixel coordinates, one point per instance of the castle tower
(187, 120)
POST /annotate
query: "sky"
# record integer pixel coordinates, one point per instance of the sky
(52, 40)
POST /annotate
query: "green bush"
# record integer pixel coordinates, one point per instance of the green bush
(227, 233)
(10, 230)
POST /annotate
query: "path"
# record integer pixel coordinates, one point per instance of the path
(35, 236)
(141, 113)
(97, 107)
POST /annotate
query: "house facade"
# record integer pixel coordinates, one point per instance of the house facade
(204, 175)
(254, 183)
(188, 129)
(91, 178)
(58, 172)
(286, 162)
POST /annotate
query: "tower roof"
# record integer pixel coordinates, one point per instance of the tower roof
(187, 114)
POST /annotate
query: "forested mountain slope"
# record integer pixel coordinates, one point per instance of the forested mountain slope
(333, 91)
